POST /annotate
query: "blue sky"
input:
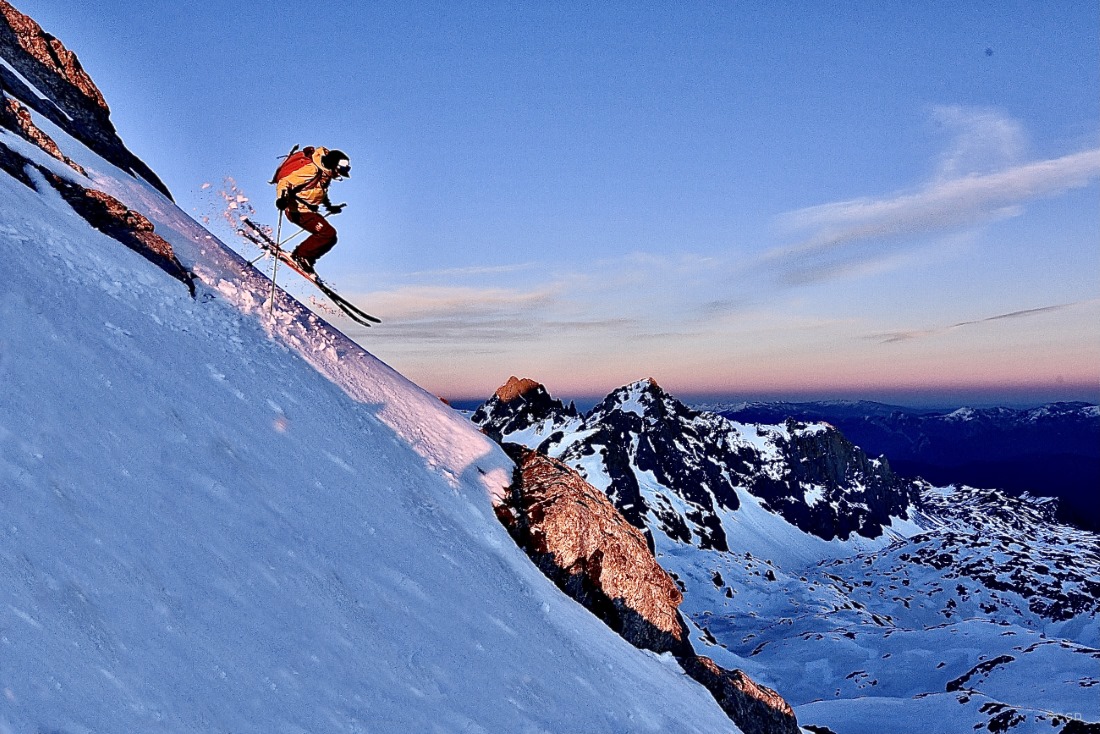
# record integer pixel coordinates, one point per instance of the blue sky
(888, 200)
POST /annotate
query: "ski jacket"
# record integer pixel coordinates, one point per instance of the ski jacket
(308, 184)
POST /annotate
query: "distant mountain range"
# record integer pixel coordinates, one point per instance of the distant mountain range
(1052, 450)
(860, 595)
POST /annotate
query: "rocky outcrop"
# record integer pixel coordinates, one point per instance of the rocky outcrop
(105, 213)
(130, 227)
(14, 165)
(753, 707)
(73, 102)
(514, 388)
(577, 537)
(51, 54)
(859, 495)
(16, 118)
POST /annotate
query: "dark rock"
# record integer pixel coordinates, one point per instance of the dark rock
(74, 102)
(16, 118)
(860, 494)
(981, 669)
(130, 227)
(14, 165)
(756, 709)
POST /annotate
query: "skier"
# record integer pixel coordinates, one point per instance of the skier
(302, 185)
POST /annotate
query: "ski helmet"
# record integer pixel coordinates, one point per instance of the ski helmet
(337, 162)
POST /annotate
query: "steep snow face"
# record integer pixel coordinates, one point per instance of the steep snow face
(217, 519)
(435, 431)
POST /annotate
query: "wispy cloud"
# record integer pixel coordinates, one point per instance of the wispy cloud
(894, 337)
(982, 140)
(431, 302)
(485, 320)
(979, 180)
(944, 204)
(471, 271)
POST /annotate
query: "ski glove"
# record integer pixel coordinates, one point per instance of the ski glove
(284, 201)
(334, 208)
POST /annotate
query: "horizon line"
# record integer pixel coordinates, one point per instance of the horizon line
(932, 397)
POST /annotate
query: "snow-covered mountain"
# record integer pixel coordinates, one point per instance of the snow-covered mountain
(524, 411)
(685, 473)
(220, 518)
(1053, 450)
(938, 609)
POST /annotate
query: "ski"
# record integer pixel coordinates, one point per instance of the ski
(348, 308)
(256, 235)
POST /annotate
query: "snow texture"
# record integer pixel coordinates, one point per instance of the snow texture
(216, 520)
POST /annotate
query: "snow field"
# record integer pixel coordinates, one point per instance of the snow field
(217, 522)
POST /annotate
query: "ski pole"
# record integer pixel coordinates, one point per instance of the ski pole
(265, 253)
(275, 267)
(292, 237)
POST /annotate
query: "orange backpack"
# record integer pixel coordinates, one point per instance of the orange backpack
(294, 160)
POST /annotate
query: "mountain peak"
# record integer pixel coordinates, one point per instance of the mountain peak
(639, 389)
(647, 384)
(524, 405)
(47, 77)
(639, 397)
(50, 54)
(515, 388)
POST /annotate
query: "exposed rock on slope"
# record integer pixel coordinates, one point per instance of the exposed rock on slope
(104, 212)
(73, 102)
(133, 229)
(754, 707)
(14, 165)
(16, 118)
(51, 55)
(580, 541)
(42, 59)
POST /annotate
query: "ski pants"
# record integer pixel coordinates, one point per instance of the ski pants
(322, 239)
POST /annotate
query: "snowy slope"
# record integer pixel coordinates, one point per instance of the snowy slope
(216, 521)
